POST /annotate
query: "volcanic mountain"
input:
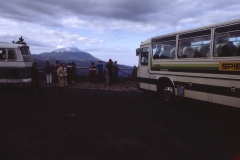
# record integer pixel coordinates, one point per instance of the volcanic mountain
(69, 54)
(66, 55)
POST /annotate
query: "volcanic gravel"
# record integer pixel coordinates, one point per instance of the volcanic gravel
(104, 124)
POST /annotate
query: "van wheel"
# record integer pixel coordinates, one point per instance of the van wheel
(168, 94)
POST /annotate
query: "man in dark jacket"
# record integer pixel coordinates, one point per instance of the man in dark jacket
(69, 73)
(92, 72)
(115, 71)
(35, 79)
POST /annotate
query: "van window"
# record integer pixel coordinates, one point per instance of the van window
(12, 54)
(2, 54)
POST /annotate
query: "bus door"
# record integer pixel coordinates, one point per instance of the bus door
(143, 69)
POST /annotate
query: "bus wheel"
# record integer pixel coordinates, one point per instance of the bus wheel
(168, 94)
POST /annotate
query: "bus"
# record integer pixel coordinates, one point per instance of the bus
(15, 63)
(201, 63)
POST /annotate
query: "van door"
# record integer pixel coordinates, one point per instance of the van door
(3, 65)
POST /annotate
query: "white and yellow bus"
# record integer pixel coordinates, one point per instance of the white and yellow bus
(201, 63)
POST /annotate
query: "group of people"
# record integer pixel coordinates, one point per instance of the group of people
(70, 75)
(62, 73)
(111, 72)
(66, 74)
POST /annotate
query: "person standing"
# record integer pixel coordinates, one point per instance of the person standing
(92, 72)
(74, 72)
(100, 70)
(35, 79)
(115, 71)
(62, 74)
(48, 71)
(134, 72)
(107, 75)
(110, 70)
(69, 73)
(56, 66)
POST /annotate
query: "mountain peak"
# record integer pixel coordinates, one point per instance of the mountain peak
(67, 49)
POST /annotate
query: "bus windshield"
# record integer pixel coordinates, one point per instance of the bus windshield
(26, 53)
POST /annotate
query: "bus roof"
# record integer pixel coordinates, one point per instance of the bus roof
(193, 29)
(10, 45)
(146, 41)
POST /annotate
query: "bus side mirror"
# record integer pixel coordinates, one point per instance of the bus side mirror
(138, 51)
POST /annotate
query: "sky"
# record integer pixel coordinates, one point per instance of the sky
(106, 28)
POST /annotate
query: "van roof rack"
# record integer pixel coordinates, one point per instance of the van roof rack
(20, 41)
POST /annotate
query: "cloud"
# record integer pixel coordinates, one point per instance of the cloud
(40, 35)
(96, 24)
(123, 55)
(103, 15)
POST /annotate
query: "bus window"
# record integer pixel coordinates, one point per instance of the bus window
(2, 54)
(11, 54)
(156, 49)
(144, 56)
(164, 50)
(194, 47)
(227, 44)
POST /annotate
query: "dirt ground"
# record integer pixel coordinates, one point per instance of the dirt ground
(104, 124)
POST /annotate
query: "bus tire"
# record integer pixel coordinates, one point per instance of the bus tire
(167, 94)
